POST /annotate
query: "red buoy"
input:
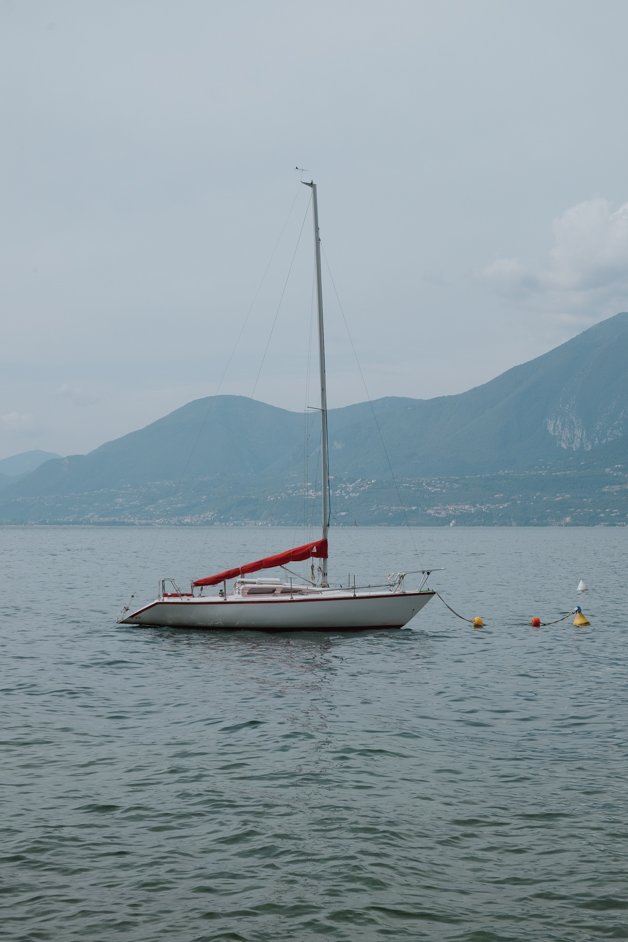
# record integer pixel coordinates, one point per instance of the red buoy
(535, 622)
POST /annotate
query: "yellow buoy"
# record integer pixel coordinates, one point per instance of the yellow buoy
(580, 620)
(477, 622)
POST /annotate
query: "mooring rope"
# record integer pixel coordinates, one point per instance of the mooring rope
(562, 618)
(478, 622)
(471, 621)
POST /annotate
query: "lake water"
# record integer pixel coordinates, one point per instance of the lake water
(438, 782)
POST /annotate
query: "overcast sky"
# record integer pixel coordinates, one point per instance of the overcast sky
(472, 162)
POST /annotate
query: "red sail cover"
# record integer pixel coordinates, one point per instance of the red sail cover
(318, 549)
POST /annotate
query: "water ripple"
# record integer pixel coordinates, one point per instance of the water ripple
(437, 783)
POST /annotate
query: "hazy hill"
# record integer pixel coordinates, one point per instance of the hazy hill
(24, 463)
(565, 410)
(208, 437)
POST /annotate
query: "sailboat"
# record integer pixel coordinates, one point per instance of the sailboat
(272, 604)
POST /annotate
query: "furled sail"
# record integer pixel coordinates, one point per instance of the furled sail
(317, 549)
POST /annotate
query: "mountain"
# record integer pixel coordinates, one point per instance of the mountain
(232, 459)
(570, 402)
(24, 463)
(209, 437)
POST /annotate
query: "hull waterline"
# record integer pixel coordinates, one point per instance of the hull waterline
(327, 613)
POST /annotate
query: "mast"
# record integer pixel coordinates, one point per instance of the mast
(323, 380)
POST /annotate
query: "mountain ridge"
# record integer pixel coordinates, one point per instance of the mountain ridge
(564, 411)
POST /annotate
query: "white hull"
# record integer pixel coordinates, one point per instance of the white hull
(333, 611)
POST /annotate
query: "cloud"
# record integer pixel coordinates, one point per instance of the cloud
(75, 395)
(590, 247)
(17, 422)
(585, 270)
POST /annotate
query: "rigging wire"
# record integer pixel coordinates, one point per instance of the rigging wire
(205, 415)
(283, 292)
(372, 408)
(202, 424)
(256, 295)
